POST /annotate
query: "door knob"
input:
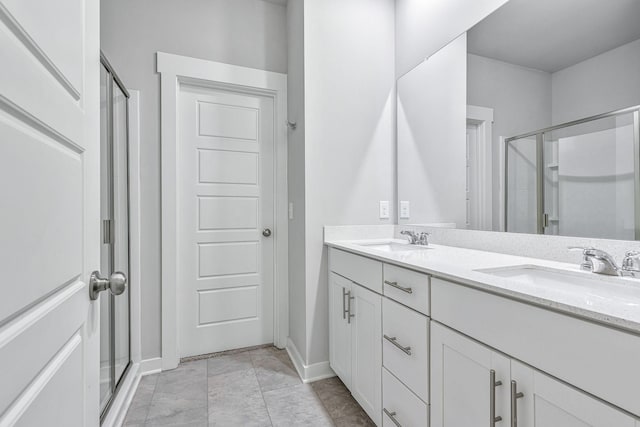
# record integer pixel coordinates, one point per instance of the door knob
(116, 283)
(266, 232)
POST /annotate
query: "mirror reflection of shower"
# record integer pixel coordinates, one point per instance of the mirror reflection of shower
(576, 179)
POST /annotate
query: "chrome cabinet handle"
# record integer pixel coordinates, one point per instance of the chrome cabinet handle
(394, 341)
(492, 398)
(349, 315)
(116, 283)
(392, 416)
(515, 395)
(344, 308)
(395, 285)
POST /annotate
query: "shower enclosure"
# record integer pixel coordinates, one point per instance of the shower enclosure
(580, 178)
(115, 355)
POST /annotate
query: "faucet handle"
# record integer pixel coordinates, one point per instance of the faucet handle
(423, 238)
(586, 264)
(631, 263)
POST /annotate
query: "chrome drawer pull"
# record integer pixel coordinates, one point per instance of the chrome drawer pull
(515, 395)
(392, 416)
(395, 285)
(394, 341)
(344, 308)
(349, 298)
(492, 398)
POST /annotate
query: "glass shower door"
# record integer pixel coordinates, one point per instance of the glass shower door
(115, 353)
(592, 190)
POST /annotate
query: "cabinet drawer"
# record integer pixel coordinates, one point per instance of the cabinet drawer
(407, 287)
(410, 329)
(405, 407)
(364, 271)
(597, 359)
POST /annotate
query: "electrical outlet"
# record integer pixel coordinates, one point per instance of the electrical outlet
(404, 209)
(384, 209)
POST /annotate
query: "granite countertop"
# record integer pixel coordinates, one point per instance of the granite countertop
(613, 301)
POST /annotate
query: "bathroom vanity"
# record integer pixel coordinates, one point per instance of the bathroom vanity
(454, 337)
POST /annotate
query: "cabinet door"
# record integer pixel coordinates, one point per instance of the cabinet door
(366, 351)
(461, 381)
(547, 402)
(339, 328)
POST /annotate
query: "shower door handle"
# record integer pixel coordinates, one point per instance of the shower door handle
(116, 283)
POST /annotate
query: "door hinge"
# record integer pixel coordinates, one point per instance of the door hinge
(107, 231)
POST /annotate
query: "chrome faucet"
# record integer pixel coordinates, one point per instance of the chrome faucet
(416, 238)
(597, 261)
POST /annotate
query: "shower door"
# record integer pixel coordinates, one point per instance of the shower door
(579, 179)
(115, 354)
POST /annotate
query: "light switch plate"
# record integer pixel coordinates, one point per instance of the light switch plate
(290, 210)
(404, 209)
(384, 209)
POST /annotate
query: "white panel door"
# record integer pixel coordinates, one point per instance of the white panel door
(461, 383)
(340, 327)
(49, 212)
(366, 350)
(547, 402)
(226, 200)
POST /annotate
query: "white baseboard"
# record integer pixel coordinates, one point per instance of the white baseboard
(308, 373)
(122, 400)
(151, 366)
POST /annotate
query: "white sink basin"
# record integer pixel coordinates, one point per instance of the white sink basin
(393, 246)
(581, 283)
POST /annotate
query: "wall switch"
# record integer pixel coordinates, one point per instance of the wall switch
(404, 209)
(384, 209)
(290, 210)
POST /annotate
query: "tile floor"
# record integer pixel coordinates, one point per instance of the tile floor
(257, 387)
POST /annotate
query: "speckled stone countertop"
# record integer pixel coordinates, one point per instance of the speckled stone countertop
(613, 301)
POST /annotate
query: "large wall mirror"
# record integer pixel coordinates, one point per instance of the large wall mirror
(528, 123)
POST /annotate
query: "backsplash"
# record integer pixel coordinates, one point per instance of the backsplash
(553, 248)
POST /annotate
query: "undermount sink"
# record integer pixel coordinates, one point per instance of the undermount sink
(393, 246)
(539, 276)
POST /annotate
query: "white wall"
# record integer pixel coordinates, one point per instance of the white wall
(295, 175)
(606, 82)
(425, 26)
(250, 33)
(432, 113)
(349, 136)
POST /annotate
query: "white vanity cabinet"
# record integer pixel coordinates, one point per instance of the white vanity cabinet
(473, 384)
(565, 367)
(465, 378)
(355, 328)
(547, 402)
(379, 345)
(340, 328)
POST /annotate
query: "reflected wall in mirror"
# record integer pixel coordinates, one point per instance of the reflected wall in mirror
(542, 151)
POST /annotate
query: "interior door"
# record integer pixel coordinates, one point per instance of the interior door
(49, 212)
(225, 220)
(461, 386)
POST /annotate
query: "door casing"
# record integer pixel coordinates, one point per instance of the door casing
(176, 70)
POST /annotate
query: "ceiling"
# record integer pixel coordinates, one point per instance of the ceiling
(550, 35)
